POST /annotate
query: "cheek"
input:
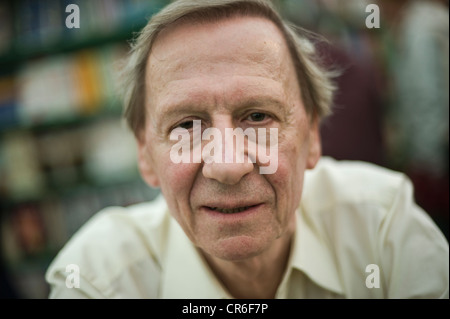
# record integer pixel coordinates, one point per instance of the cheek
(176, 185)
(175, 178)
(288, 179)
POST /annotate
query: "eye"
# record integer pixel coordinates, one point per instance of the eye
(186, 125)
(257, 117)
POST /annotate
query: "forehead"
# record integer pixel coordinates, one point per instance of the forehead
(226, 38)
(194, 46)
(188, 52)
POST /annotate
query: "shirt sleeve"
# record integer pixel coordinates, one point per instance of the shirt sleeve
(415, 254)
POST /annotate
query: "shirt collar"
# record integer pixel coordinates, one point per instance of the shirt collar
(311, 255)
(186, 274)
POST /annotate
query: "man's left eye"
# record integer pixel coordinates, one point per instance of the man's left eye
(257, 117)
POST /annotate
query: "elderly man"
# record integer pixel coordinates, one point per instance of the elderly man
(222, 228)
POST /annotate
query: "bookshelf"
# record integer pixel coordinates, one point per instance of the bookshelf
(64, 150)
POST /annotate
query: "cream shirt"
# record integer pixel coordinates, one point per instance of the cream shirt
(359, 235)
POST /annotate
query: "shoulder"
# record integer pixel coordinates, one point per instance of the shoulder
(351, 197)
(364, 215)
(356, 198)
(340, 182)
(114, 240)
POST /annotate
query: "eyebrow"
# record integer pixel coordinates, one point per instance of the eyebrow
(263, 101)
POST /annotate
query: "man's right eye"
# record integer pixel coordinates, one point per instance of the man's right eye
(186, 125)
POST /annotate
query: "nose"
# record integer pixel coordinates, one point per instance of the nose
(229, 170)
(227, 173)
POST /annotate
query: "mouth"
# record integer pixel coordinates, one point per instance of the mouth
(230, 210)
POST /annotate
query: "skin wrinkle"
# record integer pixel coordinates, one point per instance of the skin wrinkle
(199, 107)
(245, 248)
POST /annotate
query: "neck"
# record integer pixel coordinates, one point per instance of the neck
(257, 277)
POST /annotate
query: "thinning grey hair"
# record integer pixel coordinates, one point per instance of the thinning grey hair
(316, 83)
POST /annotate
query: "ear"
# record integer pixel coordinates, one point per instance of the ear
(146, 167)
(315, 146)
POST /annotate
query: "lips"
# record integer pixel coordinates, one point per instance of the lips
(230, 210)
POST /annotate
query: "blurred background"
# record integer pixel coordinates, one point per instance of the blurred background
(65, 152)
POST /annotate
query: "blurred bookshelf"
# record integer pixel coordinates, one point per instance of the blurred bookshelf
(64, 150)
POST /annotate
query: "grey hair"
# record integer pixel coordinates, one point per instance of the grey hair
(315, 82)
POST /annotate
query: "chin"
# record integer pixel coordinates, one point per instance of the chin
(238, 248)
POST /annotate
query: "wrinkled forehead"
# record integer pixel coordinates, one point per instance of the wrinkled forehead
(236, 43)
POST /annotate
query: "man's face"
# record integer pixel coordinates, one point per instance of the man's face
(228, 74)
